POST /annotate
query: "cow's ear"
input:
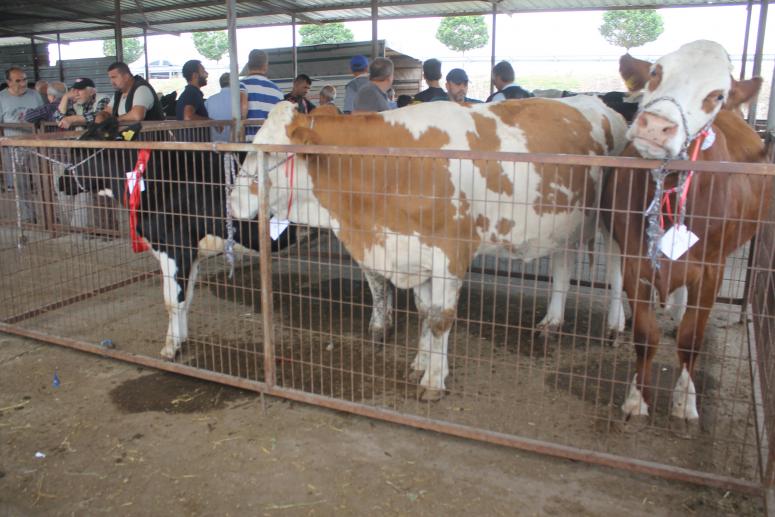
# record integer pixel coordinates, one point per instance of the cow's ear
(742, 91)
(635, 72)
(305, 136)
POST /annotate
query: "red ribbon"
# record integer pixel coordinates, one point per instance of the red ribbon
(685, 192)
(133, 201)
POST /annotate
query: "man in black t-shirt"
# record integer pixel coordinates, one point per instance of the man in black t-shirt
(191, 103)
(431, 72)
(299, 92)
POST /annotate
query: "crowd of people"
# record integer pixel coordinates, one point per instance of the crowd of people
(134, 99)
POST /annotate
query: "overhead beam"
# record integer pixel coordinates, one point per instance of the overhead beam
(14, 33)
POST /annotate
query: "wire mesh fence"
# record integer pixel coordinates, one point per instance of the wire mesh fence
(556, 386)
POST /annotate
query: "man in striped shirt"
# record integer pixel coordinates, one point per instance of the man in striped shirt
(262, 93)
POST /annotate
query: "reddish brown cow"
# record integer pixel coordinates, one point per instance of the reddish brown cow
(684, 93)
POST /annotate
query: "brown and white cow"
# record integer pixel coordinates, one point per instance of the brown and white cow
(420, 223)
(684, 92)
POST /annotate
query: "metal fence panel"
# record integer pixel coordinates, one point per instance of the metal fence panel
(558, 392)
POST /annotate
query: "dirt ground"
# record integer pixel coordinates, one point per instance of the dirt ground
(123, 440)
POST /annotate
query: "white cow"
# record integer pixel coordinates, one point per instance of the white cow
(420, 223)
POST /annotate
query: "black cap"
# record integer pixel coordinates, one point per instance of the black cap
(457, 76)
(80, 84)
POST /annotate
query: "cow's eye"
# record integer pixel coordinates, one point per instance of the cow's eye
(653, 72)
(720, 97)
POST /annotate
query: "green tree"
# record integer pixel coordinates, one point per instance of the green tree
(133, 48)
(461, 33)
(631, 28)
(325, 33)
(212, 45)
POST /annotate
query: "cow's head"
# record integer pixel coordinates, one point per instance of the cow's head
(93, 168)
(277, 129)
(682, 93)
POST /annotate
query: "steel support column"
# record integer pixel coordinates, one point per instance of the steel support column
(236, 113)
(374, 35)
(745, 41)
(119, 36)
(757, 60)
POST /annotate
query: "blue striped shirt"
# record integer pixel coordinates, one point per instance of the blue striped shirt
(263, 94)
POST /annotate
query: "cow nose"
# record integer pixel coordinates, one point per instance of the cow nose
(655, 128)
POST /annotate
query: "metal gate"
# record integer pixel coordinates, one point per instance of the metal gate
(295, 324)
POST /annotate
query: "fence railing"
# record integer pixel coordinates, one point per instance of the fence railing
(558, 392)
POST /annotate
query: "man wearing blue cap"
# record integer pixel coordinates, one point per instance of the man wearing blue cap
(359, 66)
(457, 88)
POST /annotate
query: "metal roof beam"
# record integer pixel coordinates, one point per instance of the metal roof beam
(17, 34)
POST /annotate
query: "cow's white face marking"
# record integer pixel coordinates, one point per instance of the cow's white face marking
(106, 192)
(688, 76)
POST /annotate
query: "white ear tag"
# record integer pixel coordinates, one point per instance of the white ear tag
(676, 241)
(131, 179)
(277, 227)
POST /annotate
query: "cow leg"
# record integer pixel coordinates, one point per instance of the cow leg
(382, 313)
(691, 332)
(645, 334)
(439, 295)
(562, 261)
(422, 359)
(616, 318)
(178, 278)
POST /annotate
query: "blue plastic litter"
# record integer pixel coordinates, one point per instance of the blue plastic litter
(55, 382)
(107, 343)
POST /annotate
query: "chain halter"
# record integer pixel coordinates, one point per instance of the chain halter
(655, 229)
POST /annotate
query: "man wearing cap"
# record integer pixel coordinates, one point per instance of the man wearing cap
(431, 72)
(359, 66)
(503, 79)
(373, 96)
(457, 88)
(78, 107)
(262, 93)
(191, 103)
(298, 94)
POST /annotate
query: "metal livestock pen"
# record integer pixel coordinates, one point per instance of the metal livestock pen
(295, 324)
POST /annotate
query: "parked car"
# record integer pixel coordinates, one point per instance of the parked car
(163, 69)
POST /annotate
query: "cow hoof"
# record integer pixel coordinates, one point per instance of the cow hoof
(431, 395)
(614, 337)
(685, 428)
(168, 354)
(547, 331)
(379, 334)
(635, 424)
(415, 376)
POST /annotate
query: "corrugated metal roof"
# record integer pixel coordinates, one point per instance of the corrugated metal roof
(76, 20)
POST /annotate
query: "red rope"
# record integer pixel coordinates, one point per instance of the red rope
(132, 199)
(685, 192)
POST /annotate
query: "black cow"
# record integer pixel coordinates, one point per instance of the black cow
(182, 215)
